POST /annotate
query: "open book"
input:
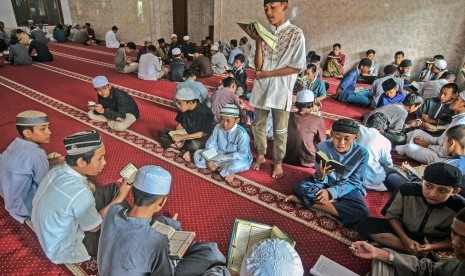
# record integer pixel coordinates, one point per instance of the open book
(247, 233)
(328, 267)
(415, 86)
(253, 26)
(179, 240)
(417, 171)
(338, 167)
(178, 132)
(129, 172)
(212, 155)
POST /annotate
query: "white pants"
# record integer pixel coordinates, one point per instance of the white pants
(115, 125)
(419, 153)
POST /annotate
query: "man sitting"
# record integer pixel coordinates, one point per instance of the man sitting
(177, 66)
(219, 62)
(115, 107)
(140, 249)
(38, 34)
(174, 44)
(150, 67)
(161, 52)
(110, 38)
(202, 66)
(338, 194)
(41, 51)
(188, 48)
(346, 90)
(334, 66)
(144, 50)
(123, 63)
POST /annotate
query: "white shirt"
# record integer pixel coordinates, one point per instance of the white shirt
(110, 40)
(379, 157)
(149, 67)
(276, 92)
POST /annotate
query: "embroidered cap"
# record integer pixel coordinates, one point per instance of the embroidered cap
(272, 257)
(230, 110)
(345, 126)
(185, 94)
(31, 118)
(389, 84)
(82, 142)
(153, 180)
(99, 81)
(305, 96)
(443, 174)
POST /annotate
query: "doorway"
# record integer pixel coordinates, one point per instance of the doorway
(180, 18)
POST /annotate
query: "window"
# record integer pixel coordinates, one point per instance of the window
(40, 11)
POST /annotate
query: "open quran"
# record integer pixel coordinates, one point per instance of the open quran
(253, 28)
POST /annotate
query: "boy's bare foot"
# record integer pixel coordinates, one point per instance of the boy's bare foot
(175, 216)
(292, 198)
(187, 156)
(258, 162)
(277, 171)
(211, 166)
(229, 178)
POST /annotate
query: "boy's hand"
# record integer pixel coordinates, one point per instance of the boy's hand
(99, 108)
(323, 172)
(363, 250)
(124, 189)
(175, 216)
(425, 249)
(261, 74)
(119, 119)
(322, 196)
(412, 246)
(419, 141)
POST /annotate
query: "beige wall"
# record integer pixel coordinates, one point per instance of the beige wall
(155, 19)
(420, 28)
(199, 17)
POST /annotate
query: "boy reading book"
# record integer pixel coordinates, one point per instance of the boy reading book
(418, 210)
(141, 249)
(339, 194)
(228, 148)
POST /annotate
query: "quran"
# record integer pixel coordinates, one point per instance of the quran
(129, 172)
(417, 171)
(179, 240)
(255, 27)
(327, 267)
(212, 155)
(245, 234)
(178, 132)
(338, 167)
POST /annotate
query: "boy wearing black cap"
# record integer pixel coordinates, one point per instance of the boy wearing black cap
(392, 93)
(123, 63)
(162, 51)
(346, 90)
(416, 211)
(66, 213)
(390, 72)
(339, 194)
(275, 76)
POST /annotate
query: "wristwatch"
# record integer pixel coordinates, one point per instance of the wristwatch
(391, 258)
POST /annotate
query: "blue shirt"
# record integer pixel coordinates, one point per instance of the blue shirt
(22, 166)
(385, 100)
(355, 161)
(199, 89)
(348, 84)
(234, 144)
(317, 86)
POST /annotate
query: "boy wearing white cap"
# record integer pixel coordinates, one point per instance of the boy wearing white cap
(188, 48)
(115, 107)
(219, 62)
(427, 73)
(177, 66)
(195, 118)
(174, 44)
(431, 89)
(24, 164)
(66, 213)
(230, 140)
(305, 131)
(141, 250)
(144, 50)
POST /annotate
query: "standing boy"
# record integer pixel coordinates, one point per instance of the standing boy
(114, 106)
(338, 194)
(276, 73)
(232, 141)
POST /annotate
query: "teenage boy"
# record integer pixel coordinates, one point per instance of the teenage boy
(24, 164)
(19, 55)
(141, 250)
(346, 90)
(305, 131)
(150, 67)
(188, 48)
(392, 93)
(66, 213)
(374, 65)
(389, 262)
(202, 66)
(201, 93)
(239, 74)
(426, 148)
(275, 76)
(114, 106)
(195, 118)
(234, 51)
(338, 194)
(161, 50)
(390, 72)
(379, 151)
(415, 211)
(42, 53)
(219, 62)
(225, 95)
(396, 114)
(313, 83)
(177, 66)
(334, 66)
(429, 72)
(123, 63)
(404, 69)
(230, 140)
(398, 58)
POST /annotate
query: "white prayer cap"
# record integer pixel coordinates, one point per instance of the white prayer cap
(75, 24)
(272, 257)
(31, 118)
(305, 96)
(148, 39)
(173, 36)
(99, 81)
(176, 51)
(185, 94)
(440, 64)
(186, 38)
(153, 180)
(30, 21)
(214, 48)
(462, 95)
(230, 110)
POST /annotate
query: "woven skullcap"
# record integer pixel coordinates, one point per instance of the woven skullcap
(444, 174)
(185, 94)
(82, 142)
(176, 51)
(186, 38)
(230, 110)
(31, 118)
(153, 180)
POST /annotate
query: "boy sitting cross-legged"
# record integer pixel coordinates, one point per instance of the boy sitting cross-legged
(340, 195)
(418, 210)
(228, 139)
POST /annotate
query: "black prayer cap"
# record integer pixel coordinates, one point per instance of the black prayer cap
(161, 40)
(82, 142)
(271, 1)
(443, 174)
(405, 63)
(345, 126)
(365, 62)
(389, 84)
